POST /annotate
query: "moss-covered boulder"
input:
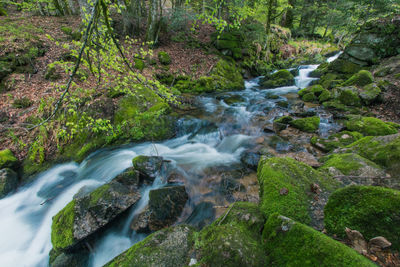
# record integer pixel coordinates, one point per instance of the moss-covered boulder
(347, 96)
(168, 248)
(226, 76)
(373, 211)
(278, 79)
(289, 243)
(87, 214)
(336, 140)
(8, 181)
(234, 239)
(370, 94)
(352, 164)
(281, 123)
(370, 126)
(7, 159)
(362, 78)
(315, 93)
(383, 150)
(309, 125)
(285, 187)
(164, 58)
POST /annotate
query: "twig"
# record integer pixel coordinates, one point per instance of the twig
(226, 214)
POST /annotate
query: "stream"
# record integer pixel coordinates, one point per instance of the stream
(213, 138)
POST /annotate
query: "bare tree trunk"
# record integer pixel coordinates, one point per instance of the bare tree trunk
(152, 26)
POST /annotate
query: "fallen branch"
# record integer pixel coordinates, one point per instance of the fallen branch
(226, 214)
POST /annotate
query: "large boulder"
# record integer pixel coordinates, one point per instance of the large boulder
(87, 214)
(8, 181)
(166, 248)
(351, 164)
(234, 239)
(373, 211)
(336, 140)
(290, 188)
(289, 243)
(370, 126)
(278, 79)
(309, 125)
(383, 150)
(165, 206)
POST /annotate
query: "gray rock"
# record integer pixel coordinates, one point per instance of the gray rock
(8, 181)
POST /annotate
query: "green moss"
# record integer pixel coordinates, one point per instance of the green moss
(139, 64)
(384, 151)
(278, 79)
(62, 229)
(337, 140)
(99, 193)
(277, 173)
(328, 80)
(226, 76)
(284, 120)
(374, 211)
(164, 58)
(370, 126)
(348, 163)
(7, 159)
(51, 73)
(289, 243)
(344, 66)
(362, 78)
(348, 96)
(167, 247)
(309, 97)
(370, 93)
(309, 124)
(324, 96)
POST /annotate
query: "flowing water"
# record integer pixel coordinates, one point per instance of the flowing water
(212, 139)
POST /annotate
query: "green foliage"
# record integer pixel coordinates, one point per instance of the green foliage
(374, 211)
(289, 243)
(7, 159)
(275, 174)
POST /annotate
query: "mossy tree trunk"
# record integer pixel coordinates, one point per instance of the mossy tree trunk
(153, 21)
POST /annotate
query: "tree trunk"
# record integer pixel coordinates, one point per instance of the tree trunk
(152, 26)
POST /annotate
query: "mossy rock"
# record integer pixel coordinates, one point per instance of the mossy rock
(347, 96)
(139, 64)
(344, 66)
(362, 78)
(383, 150)
(169, 248)
(164, 58)
(226, 77)
(278, 79)
(284, 120)
(23, 102)
(336, 140)
(370, 126)
(275, 174)
(87, 214)
(324, 96)
(289, 243)
(234, 239)
(8, 160)
(315, 93)
(352, 164)
(309, 125)
(370, 94)
(373, 211)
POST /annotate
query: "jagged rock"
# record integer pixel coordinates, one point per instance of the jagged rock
(357, 241)
(86, 215)
(140, 223)
(378, 243)
(250, 159)
(202, 215)
(8, 181)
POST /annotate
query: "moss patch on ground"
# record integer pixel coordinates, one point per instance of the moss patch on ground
(289, 243)
(374, 211)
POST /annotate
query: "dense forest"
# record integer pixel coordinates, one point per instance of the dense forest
(199, 133)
